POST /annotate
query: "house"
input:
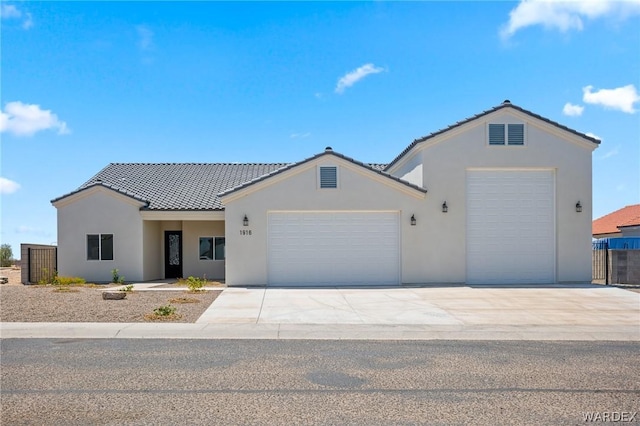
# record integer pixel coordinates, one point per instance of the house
(501, 197)
(624, 222)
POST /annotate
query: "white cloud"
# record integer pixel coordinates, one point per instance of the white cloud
(356, 75)
(621, 98)
(8, 186)
(10, 11)
(611, 153)
(300, 135)
(28, 22)
(565, 15)
(27, 119)
(572, 110)
(145, 37)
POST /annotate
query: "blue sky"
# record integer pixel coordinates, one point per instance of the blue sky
(86, 84)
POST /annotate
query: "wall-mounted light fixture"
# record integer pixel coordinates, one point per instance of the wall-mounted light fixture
(578, 207)
(245, 221)
(445, 208)
(413, 220)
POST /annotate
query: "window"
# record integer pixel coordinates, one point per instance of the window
(100, 247)
(212, 248)
(514, 134)
(328, 177)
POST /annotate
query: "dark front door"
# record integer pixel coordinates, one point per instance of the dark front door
(173, 254)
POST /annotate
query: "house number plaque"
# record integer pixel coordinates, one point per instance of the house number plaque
(245, 232)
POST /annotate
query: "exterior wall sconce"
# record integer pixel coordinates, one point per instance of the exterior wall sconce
(445, 208)
(245, 221)
(413, 220)
(578, 207)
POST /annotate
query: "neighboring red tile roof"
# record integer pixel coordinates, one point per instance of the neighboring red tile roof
(626, 216)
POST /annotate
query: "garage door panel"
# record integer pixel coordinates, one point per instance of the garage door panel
(333, 248)
(510, 227)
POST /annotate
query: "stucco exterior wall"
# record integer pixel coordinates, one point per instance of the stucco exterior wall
(247, 255)
(445, 168)
(193, 266)
(100, 211)
(152, 249)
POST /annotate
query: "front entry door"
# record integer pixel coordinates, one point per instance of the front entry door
(173, 254)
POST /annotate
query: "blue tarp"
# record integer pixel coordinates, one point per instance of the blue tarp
(618, 243)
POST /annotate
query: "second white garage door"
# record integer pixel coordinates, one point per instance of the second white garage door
(510, 226)
(333, 248)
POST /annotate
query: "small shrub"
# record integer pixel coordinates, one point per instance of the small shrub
(116, 278)
(196, 284)
(71, 281)
(49, 277)
(163, 313)
(127, 288)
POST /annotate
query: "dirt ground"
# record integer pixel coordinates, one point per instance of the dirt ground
(12, 273)
(45, 303)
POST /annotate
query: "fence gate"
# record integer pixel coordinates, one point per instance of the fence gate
(600, 261)
(42, 264)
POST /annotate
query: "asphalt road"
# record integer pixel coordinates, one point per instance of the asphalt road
(96, 382)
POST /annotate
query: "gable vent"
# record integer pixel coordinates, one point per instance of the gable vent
(496, 134)
(328, 177)
(516, 134)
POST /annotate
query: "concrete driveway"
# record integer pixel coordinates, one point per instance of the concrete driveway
(564, 309)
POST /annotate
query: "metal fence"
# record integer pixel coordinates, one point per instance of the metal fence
(600, 261)
(42, 264)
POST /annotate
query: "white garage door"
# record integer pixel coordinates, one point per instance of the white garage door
(333, 248)
(510, 227)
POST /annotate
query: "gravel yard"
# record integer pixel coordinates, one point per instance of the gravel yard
(37, 303)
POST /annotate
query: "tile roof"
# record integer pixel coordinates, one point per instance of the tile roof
(626, 216)
(327, 151)
(178, 186)
(505, 104)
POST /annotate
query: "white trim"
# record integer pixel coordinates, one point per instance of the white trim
(94, 189)
(208, 215)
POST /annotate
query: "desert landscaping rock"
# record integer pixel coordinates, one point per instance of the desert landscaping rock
(113, 295)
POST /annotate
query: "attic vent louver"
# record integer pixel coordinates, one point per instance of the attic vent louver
(328, 177)
(328, 149)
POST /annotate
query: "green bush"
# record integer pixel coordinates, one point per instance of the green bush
(164, 311)
(115, 277)
(196, 284)
(70, 280)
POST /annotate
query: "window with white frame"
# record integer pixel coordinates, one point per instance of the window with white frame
(99, 246)
(506, 134)
(212, 248)
(328, 177)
